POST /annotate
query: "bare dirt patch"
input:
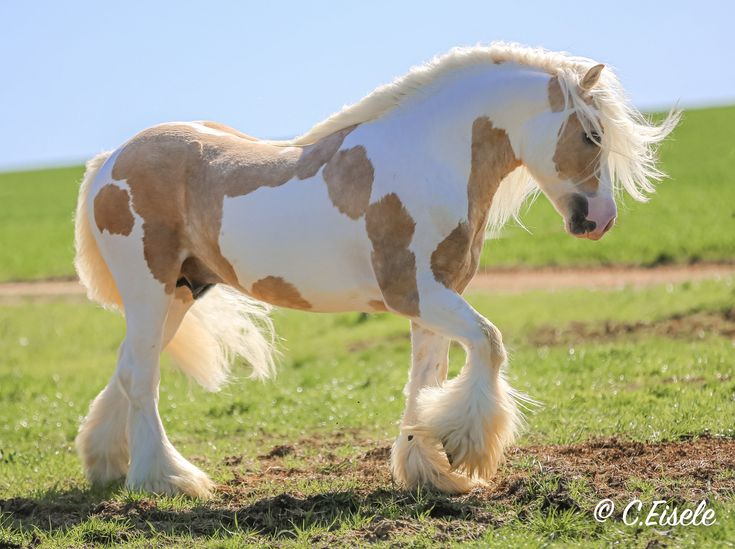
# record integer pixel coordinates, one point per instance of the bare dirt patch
(684, 470)
(691, 326)
(693, 467)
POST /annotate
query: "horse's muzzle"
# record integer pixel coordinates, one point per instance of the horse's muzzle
(590, 217)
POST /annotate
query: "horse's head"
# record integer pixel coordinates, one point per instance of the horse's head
(566, 152)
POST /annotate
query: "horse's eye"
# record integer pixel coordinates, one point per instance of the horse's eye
(592, 138)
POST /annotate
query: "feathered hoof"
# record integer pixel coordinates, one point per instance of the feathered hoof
(101, 466)
(473, 424)
(416, 462)
(172, 477)
(197, 486)
(104, 468)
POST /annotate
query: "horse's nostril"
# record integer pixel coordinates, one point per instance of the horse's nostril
(609, 225)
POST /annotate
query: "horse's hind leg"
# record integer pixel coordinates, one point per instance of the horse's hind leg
(102, 442)
(155, 465)
(418, 460)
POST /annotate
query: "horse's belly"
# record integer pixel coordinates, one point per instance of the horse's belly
(291, 240)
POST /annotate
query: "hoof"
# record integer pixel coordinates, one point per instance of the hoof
(170, 474)
(416, 462)
(195, 485)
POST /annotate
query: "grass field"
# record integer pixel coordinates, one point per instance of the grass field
(692, 217)
(303, 461)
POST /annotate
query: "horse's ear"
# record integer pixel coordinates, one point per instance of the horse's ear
(590, 79)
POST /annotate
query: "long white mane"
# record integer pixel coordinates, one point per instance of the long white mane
(629, 143)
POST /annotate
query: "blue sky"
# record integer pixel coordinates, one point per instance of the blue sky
(83, 76)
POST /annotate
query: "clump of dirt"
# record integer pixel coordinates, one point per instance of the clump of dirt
(380, 453)
(131, 508)
(282, 450)
(693, 325)
(231, 461)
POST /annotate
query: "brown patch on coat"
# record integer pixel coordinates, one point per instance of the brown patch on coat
(576, 159)
(452, 256)
(316, 155)
(455, 260)
(112, 210)
(390, 228)
(179, 178)
(377, 305)
(349, 177)
(492, 159)
(227, 129)
(556, 96)
(276, 291)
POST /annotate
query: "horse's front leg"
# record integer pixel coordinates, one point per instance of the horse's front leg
(417, 459)
(474, 415)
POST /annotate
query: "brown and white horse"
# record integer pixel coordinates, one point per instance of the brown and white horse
(193, 229)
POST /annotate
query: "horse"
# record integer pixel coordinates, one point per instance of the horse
(194, 231)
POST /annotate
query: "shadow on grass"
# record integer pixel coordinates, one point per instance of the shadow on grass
(371, 515)
(56, 508)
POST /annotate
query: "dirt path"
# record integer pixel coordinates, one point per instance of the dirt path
(495, 280)
(553, 279)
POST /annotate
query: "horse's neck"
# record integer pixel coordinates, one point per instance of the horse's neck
(441, 117)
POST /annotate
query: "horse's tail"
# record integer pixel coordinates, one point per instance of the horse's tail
(93, 272)
(220, 326)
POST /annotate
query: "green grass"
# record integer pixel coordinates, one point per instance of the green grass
(36, 231)
(339, 393)
(691, 218)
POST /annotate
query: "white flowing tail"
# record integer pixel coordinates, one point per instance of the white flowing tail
(221, 326)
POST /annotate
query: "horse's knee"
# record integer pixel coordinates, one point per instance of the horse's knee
(487, 340)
